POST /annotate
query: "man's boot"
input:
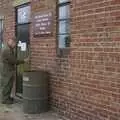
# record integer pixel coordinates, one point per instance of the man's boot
(9, 101)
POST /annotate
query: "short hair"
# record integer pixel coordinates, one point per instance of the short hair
(11, 39)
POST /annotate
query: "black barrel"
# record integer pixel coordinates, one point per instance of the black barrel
(35, 92)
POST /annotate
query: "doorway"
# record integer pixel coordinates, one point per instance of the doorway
(23, 43)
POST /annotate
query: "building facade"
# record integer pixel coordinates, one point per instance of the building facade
(79, 44)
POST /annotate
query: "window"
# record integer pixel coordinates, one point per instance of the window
(1, 33)
(23, 15)
(63, 23)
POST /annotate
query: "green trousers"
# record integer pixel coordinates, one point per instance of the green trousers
(6, 85)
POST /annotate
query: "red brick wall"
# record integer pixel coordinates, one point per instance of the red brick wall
(95, 59)
(8, 11)
(85, 85)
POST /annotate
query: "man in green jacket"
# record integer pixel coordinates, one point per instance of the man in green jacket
(8, 62)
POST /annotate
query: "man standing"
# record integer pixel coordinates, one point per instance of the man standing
(8, 61)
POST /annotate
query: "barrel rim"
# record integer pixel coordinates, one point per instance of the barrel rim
(25, 98)
(35, 71)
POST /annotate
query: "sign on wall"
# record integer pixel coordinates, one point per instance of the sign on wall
(43, 23)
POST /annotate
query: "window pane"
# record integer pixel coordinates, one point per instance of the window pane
(64, 12)
(64, 27)
(23, 33)
(63, 1)
(24, 15)
(64, 41)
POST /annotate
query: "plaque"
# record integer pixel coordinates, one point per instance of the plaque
(43, 23)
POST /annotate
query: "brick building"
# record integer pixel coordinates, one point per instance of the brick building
(82, 54)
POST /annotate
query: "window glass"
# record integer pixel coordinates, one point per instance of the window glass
(64, 41)
(64, 24)
(64, 12)
(63, 27)
(23, 15)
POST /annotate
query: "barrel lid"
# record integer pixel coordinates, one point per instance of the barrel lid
(34, 71)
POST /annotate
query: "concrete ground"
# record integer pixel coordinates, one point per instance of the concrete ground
(14, 112)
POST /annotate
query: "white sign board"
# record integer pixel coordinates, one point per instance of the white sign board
(23, 47)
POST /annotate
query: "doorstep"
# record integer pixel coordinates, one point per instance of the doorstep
(14, 112)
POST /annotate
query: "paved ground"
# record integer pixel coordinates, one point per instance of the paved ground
(14, 112)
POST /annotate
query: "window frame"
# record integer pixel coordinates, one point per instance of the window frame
(60, 49)
(16, 33)
(16, 12)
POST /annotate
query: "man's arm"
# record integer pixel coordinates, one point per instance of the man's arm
(10, 58)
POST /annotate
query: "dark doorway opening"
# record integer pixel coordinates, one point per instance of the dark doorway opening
(23, 43)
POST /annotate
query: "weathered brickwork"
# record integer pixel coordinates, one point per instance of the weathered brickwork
(85, 83)
(7, 10)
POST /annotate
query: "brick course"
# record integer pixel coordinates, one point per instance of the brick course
(7, 10)
(84, 84)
